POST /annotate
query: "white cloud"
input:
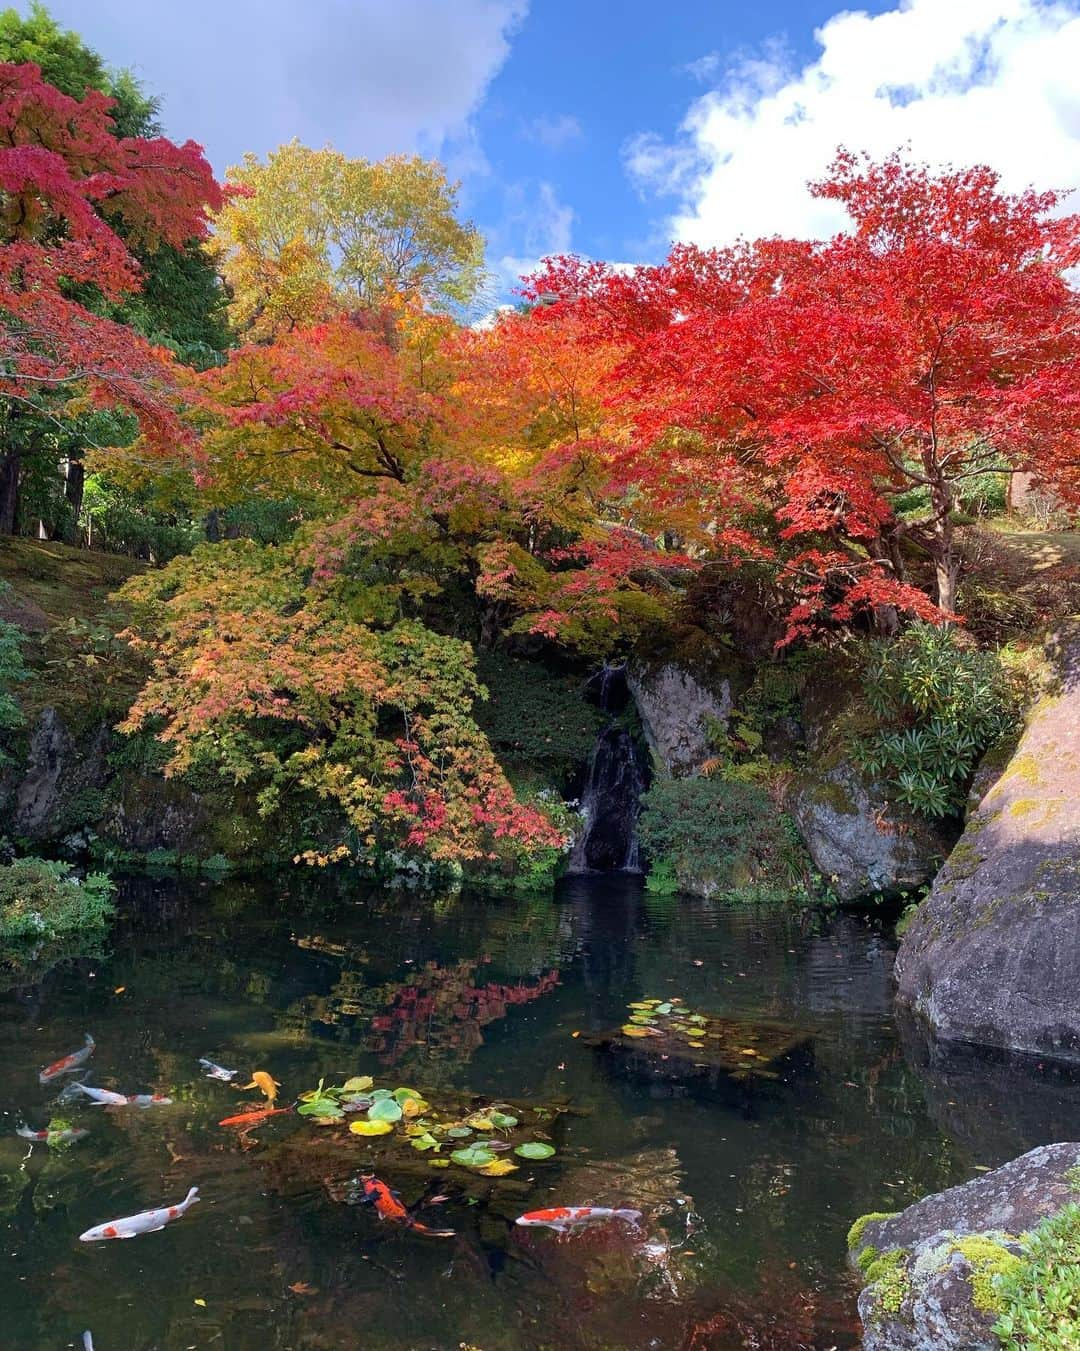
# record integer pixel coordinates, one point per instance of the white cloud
(960, 81)
(371, 77)
(540, 226)
(553, 132)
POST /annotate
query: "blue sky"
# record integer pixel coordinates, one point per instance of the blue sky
(610, 127)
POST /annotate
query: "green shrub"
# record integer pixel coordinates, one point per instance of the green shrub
(939, 707)
(1040, 1297)
(726, 831)
(11, 671)
(41, 901)
(534, 717)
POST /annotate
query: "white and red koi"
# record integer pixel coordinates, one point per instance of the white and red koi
(68, 1064)
(67, 1136)
(565, 1218)
(146, 1222)
(105, 1097)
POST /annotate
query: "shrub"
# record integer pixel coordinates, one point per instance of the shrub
(939, 706)
(11, 670)
(534, 717)
(1040, 1295)
(41, 901)
(728, 832)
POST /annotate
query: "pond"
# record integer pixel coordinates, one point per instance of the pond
(747, 1185)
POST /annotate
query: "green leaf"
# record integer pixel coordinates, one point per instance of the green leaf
(535, 1149)
(359, 1083)
(503, 1120)
(384, 1110)
(473, 1156)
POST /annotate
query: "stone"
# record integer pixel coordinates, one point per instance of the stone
(860, 841)
(928, 1268)
(676, 709)
(990, 955)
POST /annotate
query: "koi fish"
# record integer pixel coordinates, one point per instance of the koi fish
(105, 1097)
(68, 1064)
(388, 1207)
(266, 1084)
(217, 1071)
(249, 1118)
(68, 1136)
(88, 1342)
(564, 1218)
(145, 1222)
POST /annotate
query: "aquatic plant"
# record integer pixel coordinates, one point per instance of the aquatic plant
(1039, 1295)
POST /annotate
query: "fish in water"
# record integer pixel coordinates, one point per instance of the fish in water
(68, 1064)
(105, 1097)
(66, 1136)
(265, 1083)
(250, 1118)
(88, 1342)
(146, 1222)
(565, 1218)
(217, 1071)
(388, 1207)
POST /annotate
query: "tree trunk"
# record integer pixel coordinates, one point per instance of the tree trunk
(10, 465)
(74, 486)
(943, 549)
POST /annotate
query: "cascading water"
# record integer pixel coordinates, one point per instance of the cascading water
(617, 776)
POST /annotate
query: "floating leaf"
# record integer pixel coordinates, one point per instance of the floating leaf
(384, 1110)
(499, 1168)
(473, 1156)
(664, 1008)
(381, 1094)
(359, 1083)
(440, 1163)
(459, 1132)
(697, 1017)
(481, 1123)
(696, 1045)
(641, 1004)
(425, 1141)
(629, 1030)
(370, 1127)
(503, 1120)
(324, 1107)
(401, 1095)
(645, 1018)
(535, 1149)
(414, 1107)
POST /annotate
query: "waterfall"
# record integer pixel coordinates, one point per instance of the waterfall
(617, 776)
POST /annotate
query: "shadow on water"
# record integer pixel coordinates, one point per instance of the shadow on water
(747, 1188)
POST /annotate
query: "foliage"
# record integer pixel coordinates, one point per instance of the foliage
(534, 717)
(940, 705)
(933, 344)
(40, 901)
(1040, 1296)
(714, 828)
(11, 671)
(311, 231)
(293, 687)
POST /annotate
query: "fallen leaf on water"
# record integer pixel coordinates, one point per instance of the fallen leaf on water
(201, 1303)
(371, 1127)
(120, 989)
(575, 1034)
(303, 1288)
(499, 1168)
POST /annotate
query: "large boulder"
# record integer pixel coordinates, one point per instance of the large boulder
(929, 1269)
(860, 840)
(991, 954)
(676, 711)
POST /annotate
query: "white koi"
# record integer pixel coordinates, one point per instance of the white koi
(68, 1064)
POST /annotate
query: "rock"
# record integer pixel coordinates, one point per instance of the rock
(676, 710)
(990, 955)
(859, 840)
(58, 774)
(929, 1268)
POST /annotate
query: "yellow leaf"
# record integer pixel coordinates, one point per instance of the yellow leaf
(371, 1127)
(498, 1168)
(201, 1303)
(629, 1030)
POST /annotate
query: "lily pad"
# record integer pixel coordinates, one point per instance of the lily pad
(370, 1127)
(359, 1083)
(386, 1110)
(664, 1008)
(535, 1149)
(401, 1095)
(381, 1095)
(414, 1107)
(481, 1123)
(629, 1030)
(321, 1107)
(425, 1141)
(459, 1132)
(473, 1156)
(503, 1120)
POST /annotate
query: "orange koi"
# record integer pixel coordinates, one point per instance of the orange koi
(265, 1083)
(249, 1118)
(388, 1207)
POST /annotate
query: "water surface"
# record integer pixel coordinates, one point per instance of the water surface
(748, 1187)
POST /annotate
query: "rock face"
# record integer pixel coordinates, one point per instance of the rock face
(57, 772)
(929, 1267)
(675, 713)
(990, 956)
(857, 838)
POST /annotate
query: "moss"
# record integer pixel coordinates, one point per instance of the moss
(1023, 767)
(1023, 806)
(987, 1257)
(866, 1258)
(1072, 1177)
(856, 1231)
(965, 859)
(891, 1281)
(828, 793)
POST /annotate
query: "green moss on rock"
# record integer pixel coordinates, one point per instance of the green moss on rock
(856, 1231)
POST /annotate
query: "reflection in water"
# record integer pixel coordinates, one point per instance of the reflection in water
(748, 1188)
